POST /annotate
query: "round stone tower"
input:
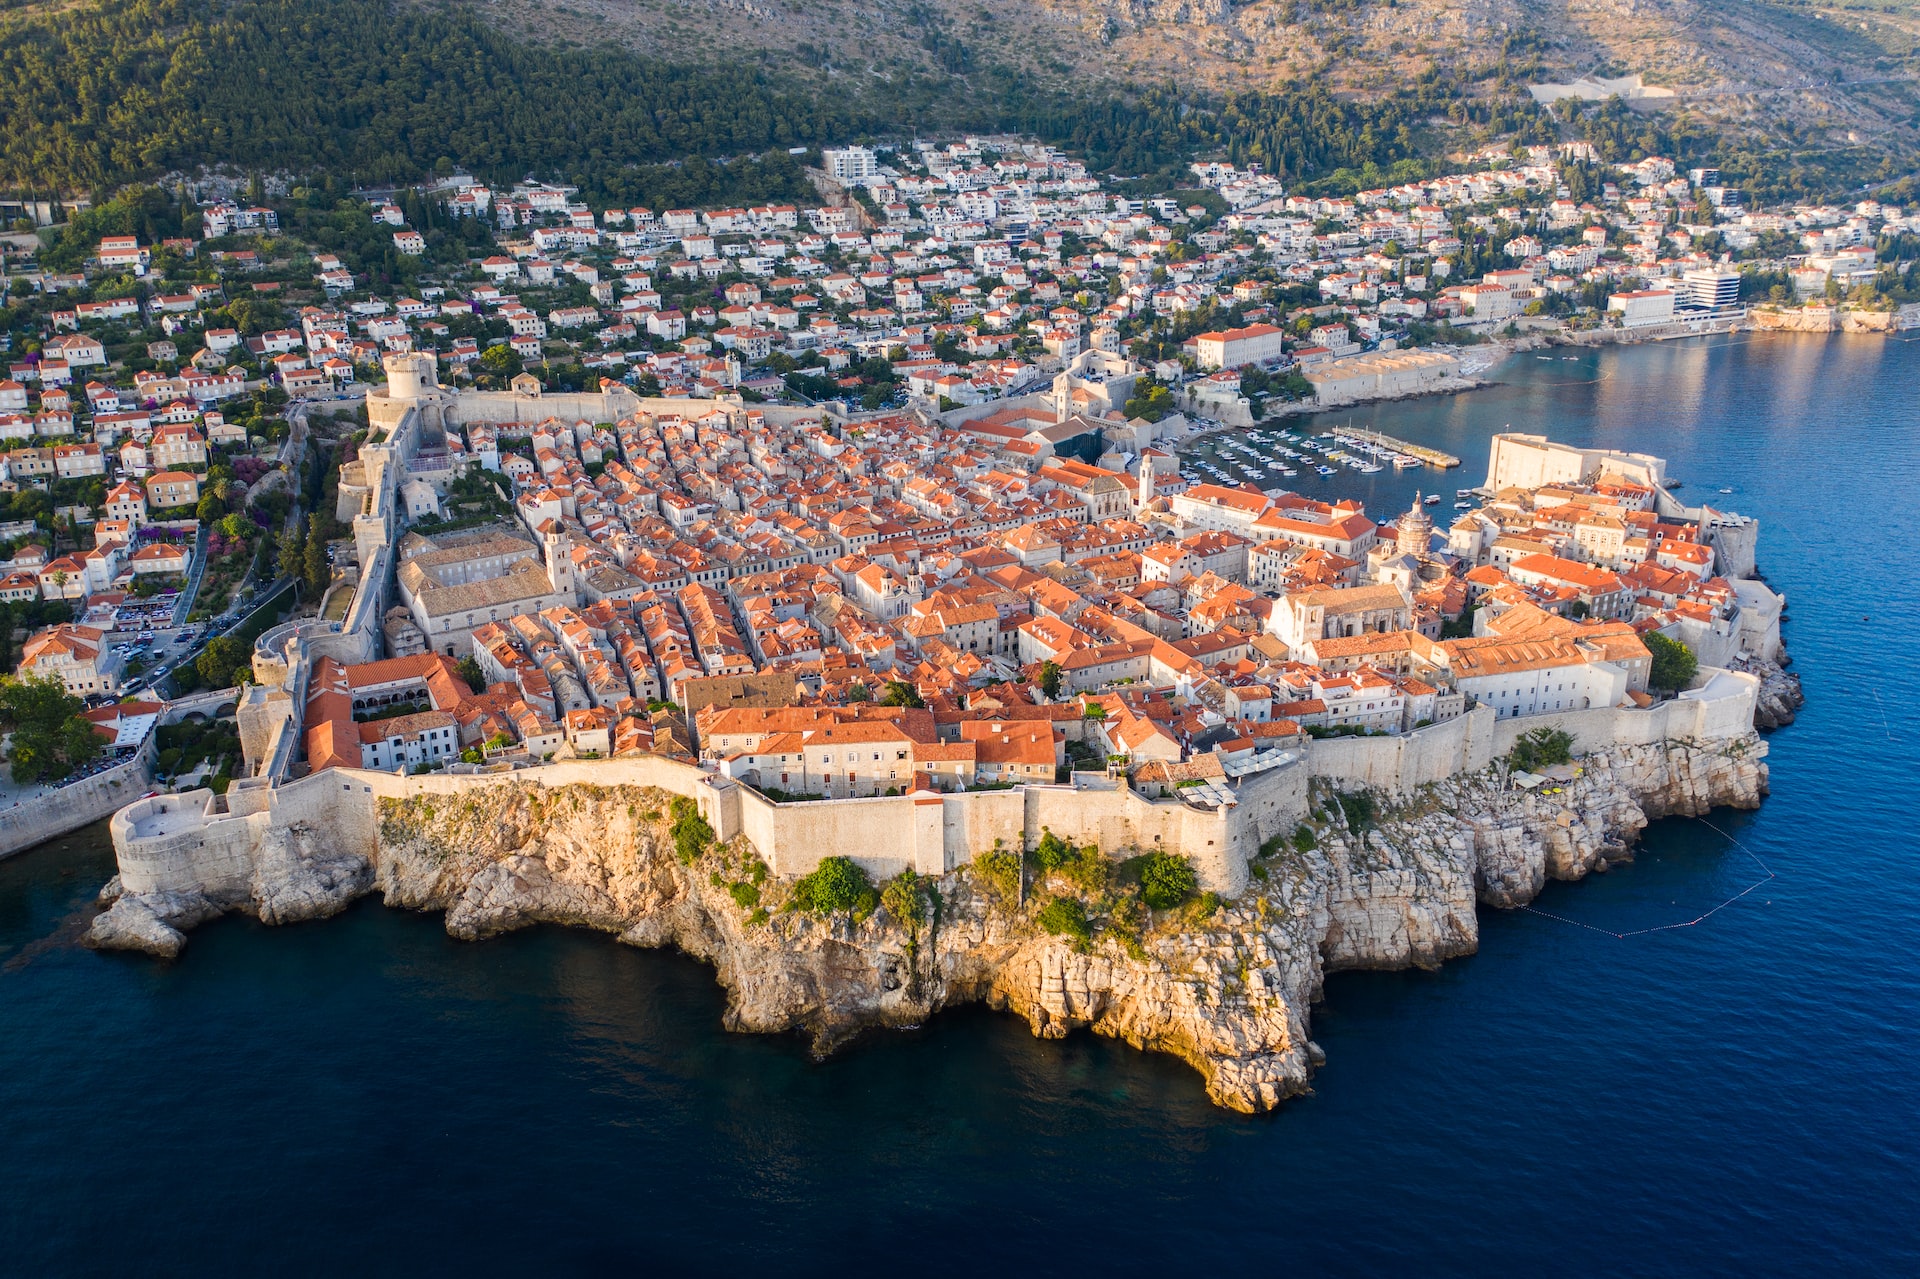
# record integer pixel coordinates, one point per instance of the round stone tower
(411, 376)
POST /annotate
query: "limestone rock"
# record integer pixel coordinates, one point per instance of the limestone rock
(296, 876)
(1229, 991)
(1779, 699)
(155, 923)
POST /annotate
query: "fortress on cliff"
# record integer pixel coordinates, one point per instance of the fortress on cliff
(205, 842)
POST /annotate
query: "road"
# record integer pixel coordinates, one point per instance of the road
(178, 653)
(184, 604)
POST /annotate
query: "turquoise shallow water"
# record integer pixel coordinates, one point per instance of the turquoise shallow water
(1731, 1098)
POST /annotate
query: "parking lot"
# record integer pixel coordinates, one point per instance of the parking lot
(159, 650)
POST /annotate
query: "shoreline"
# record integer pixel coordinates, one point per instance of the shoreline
(1226, 981)
(1227, 984)
(1481, 377)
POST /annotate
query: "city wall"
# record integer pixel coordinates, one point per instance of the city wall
(1719, 707)
(207, 843)
(72, 806)
(203, 841)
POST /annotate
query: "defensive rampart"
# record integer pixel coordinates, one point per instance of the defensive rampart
(207, 841)
(68, 808)
(1719, 707)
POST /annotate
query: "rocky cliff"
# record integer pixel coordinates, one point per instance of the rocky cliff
(1779, 697)
(1817, 318)
(1225, 985)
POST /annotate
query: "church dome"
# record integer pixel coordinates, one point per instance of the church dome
(1415, 532)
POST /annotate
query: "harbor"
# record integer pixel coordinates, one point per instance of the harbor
(1269, 457)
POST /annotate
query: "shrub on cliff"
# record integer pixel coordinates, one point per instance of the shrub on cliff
(692, 836)
(1084, 865)
(905, 898)
(1066, 917)
(1541, 748)
(999, 870)
(1358, 809)
(836, 884)
(1052, 851)
(1166, 880)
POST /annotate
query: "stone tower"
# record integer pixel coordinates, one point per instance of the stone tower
(557, 550)
(1146, 480)
(411, 376)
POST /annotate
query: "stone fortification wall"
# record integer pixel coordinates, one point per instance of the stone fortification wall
(68, 808)
(936, 834)
(1718, 708)
(1400, 765)
(192, 851)
(931, 834)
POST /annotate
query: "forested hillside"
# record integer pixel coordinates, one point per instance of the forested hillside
(97, 93)
(102, 93)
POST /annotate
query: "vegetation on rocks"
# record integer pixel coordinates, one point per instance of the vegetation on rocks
(906, 898)
(835, 886)
(1066, 917)
(692, 835)
(1541, 748)
(1000, 872)
(1358, 808)
(1166, 880)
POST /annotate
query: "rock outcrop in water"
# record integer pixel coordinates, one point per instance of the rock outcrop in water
(1778, 699)
(1225, 985)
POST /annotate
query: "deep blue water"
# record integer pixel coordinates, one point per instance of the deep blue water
(1735, 1097)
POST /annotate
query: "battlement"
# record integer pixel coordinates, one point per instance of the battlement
(200, 842)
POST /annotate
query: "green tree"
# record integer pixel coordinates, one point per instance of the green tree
(221, 660)
(1050, 679)
(469, 670)
(50, 737)
(1149, 400)
(501, 361)
(1674, 664)
(900, 693)
(1166, 880)
(318, 573)
(836, 884)
(1541, 748)
(293, 554)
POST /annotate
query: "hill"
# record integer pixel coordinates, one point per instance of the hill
(621, 96)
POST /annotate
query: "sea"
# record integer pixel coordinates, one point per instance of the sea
(1736, 1096)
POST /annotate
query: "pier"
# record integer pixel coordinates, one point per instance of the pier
(1432, 457)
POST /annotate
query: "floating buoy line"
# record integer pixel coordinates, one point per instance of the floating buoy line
(1766, 876)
